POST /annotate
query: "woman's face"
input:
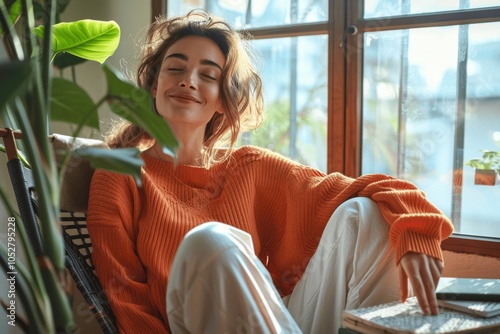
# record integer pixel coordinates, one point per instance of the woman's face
(188, 88)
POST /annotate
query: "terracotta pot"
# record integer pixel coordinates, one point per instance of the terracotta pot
(486, 177)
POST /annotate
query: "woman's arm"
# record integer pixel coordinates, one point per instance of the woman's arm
(113, 208)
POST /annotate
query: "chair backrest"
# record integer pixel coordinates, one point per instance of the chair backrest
(74, 197)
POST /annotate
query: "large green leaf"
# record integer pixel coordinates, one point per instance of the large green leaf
(120, 160)
(70, 103)
(14, 76)
(88, 39)
(134, 104)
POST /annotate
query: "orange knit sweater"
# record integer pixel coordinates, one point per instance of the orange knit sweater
(135, 231)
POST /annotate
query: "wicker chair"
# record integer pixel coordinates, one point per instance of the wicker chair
(74, 196)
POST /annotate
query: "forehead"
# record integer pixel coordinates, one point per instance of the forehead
(197, 48)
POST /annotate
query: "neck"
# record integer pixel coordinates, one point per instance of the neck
(186, 155)
(190, 156)
(190, 139)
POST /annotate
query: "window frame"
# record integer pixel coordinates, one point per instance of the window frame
(458, 243)
(345, 54)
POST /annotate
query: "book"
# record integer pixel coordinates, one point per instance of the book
(479, 308)
(473, 289)
(408, 318)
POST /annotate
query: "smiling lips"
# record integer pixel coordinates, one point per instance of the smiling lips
(185, 98)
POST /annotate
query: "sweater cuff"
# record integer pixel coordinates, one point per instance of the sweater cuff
(410, 241)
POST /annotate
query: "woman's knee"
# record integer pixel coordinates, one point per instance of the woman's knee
(362, 212)
(206, 238)
(359, 206)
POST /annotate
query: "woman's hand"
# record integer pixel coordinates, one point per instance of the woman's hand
(424, 272)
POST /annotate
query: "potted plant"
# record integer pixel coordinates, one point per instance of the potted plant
(486, 168)
(30, 98)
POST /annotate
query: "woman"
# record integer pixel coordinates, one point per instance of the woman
(245, 240)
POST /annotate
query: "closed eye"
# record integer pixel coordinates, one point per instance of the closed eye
(210, 77)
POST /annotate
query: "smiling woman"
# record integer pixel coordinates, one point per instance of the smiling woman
(245, 229)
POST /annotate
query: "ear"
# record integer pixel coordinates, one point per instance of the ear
(218, 108)
(153, 90)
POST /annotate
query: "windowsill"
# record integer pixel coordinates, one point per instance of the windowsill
(461, 243)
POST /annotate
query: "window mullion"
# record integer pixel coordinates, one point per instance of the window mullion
(458, 161)
(336, 88)
(352, 60)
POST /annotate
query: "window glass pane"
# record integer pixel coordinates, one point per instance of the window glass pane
(381, 8)
(255, 14)
(294, 77)
(431, 101)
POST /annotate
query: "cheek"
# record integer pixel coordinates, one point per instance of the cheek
(163, 82)
(214, 94)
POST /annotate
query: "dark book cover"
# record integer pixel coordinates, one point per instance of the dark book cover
(474, 289)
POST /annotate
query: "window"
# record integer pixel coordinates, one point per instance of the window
(414, 126)
(430, 101)
(294, 71)
(407, 88)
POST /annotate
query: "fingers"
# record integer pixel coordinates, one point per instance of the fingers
(427, 274)
(403, 284)
(436, 268)
(423, 272)
(420, 289)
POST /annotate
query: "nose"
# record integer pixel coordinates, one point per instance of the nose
(188, 80)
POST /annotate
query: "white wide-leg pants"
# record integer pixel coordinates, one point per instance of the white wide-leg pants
(218, 285)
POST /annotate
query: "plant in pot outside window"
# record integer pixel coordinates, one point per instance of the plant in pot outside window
(487, 167)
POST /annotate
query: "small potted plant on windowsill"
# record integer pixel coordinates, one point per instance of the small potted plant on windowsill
(487, 167)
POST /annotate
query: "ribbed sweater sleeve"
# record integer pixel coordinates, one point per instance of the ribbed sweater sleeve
(114, 206)
(306, 198)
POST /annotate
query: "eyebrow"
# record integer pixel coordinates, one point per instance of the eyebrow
(185, 58)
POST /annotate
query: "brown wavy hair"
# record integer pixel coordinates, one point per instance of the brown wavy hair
(241, 86)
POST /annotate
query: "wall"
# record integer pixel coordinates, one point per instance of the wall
(467, 265)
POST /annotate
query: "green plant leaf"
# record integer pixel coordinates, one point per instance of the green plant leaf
(88, 39)
(134, 104)
(120, 160)
(14, 76)
(70, 103)
(64, 59)
(488, 160)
